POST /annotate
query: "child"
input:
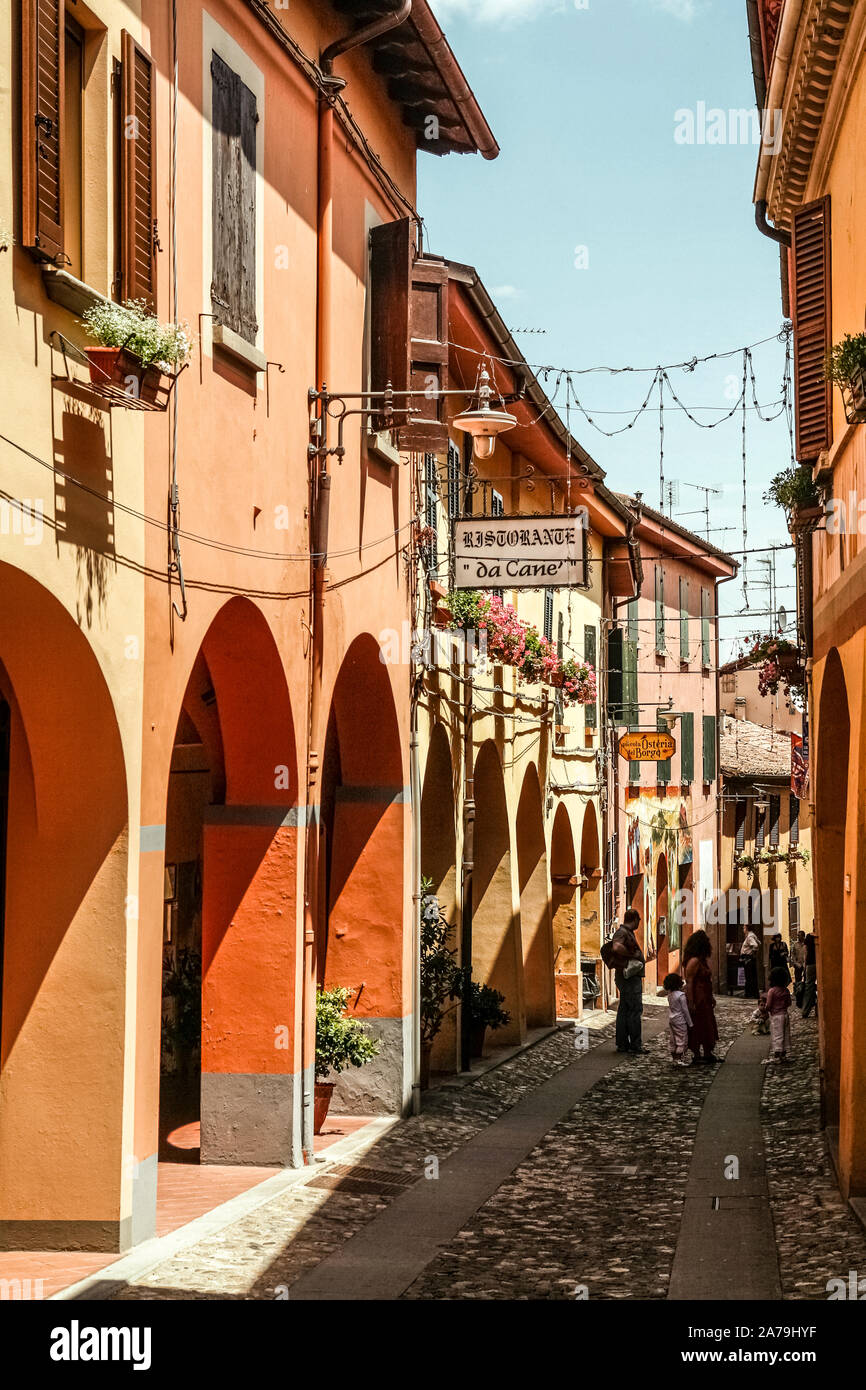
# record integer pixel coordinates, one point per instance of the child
(778, 1004)
(760, 1019)
(679, 1021)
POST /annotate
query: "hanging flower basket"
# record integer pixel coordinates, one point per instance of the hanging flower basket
(117, 366)
(779, 662)
(512, 642)
(846, 365)
(803, 520)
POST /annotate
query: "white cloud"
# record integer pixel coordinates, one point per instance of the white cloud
(505, 292)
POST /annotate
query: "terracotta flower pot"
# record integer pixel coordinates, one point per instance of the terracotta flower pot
(117, 366)
(476, 1039)
(324, 1092)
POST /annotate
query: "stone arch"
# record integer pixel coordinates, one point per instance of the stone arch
(361, 943)
(231, 856)
(496, 947)
(591, 878)
(439, 864)
(65, 910)
(536, 932)
(831, 823)
(565, 916)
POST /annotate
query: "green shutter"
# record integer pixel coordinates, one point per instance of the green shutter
(631, 618)
(705, 630)
(664, 768)
(684, 620)
(687, 747)
(709, 747)
(590, 654)
(660, 610)
(614, 674)
(630, 713)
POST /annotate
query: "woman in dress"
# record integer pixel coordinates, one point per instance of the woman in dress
(703, 1033)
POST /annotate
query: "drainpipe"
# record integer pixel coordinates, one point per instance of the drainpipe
(320, 494)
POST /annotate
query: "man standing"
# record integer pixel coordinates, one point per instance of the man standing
(749, 962)
(630, 968)
(798, 961)
(810, 992)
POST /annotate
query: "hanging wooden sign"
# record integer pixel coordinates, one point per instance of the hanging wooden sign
(647, 747)
(537, 552)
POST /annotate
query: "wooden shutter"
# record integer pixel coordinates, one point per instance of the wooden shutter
(614, 674)
(687, 747)
(428, 355)
(138, 174)
(663, 768)
(390, 271)
(793, 915)
(43, 32)
(812, 329)
(709, 747)
(760, 827)
(740, 809)
(431, 504)
(684, 620)
(660, 610)
(233, 287)
(775, 811)
(794, 827)
(453, 481)
(590, 653)
(706, 655)
(548, 614)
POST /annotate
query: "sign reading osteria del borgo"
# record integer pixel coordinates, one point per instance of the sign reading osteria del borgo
(647, 748)
(519, 552)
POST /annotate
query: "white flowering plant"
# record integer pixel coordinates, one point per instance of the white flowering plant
(132, 326)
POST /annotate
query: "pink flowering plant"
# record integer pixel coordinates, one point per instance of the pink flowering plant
(778, 663)
(512, 642)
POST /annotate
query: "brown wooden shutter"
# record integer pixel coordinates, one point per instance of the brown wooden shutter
(42, 56)
(812, 329)
(390, 272)
(428, 355)
(138, 174)
(233, 286)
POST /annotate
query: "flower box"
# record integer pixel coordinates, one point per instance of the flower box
(117, 366)
(805, 519)
(854, 397)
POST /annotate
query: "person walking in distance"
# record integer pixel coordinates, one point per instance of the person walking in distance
(629, 964)
(810, 986)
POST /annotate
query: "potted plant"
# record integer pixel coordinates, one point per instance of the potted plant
(181, 1030)
(341, 1042)
(747, 862)
(135, 350)
(485, 1008)
(438, 971)
(846, 365)
(779, 662)
(794, 490)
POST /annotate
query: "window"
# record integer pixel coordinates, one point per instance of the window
(812, 338)
(590, 653)
(687, 747)
(684, 620)
(233, 286)
(660, 610)
(740, 809)
(775, 803)
(139, 236)
(548, 614)
(468, 499)
(709, 747)
(453, 481)
(664, 768)
(497, 508)
(794, 830)
(760, 826)
(72, 147)
(793, 915)
(705, 630)
(431, 505)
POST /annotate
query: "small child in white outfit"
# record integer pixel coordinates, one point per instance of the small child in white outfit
(679, 1021)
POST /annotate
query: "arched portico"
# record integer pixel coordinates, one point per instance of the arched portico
(536, 932)
(564, 911)
(497, 958)
(439, 865)
(831, 824)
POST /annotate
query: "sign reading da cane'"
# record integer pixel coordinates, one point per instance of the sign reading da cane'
(647, 748)
(520, 552)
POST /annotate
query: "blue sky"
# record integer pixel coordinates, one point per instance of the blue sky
(583, 98)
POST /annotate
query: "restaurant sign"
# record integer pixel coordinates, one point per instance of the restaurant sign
(647, 747)
(520, 552)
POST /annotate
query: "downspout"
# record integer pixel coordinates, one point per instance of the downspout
(320, 494)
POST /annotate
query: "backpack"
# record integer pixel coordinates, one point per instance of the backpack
(614, 955)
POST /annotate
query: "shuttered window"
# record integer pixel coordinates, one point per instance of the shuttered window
(548, 614)
(760, 826)
(687, 747)
(709, 747)
(497, 508)
(42, 69)
(684, 620)
(812, 329)
(706, 645)
(431, 505)
(631, 620)
(793, 914)
(775, 806)
(794, 829)
(453, 481)
(233, 288)
(663, 768)
(138, 174)
(590, 652)
(740, 809)
(615, 644)
(660, 609)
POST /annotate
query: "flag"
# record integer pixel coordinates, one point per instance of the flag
(800, 766)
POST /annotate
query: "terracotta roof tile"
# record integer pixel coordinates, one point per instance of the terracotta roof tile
(751, 750)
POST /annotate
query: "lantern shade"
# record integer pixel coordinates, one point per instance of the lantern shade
(484, 426)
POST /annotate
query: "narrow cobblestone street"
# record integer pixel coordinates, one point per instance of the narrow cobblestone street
(592, 1210)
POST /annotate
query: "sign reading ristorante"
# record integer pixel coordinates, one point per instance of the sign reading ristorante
(647, 748)
(520, 552)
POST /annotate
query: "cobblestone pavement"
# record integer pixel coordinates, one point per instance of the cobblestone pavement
(595, 1208)
(261, 1255)
(817, 1235)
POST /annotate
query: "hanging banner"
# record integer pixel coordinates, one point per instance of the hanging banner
(632, 862)
(520, 552)
(800, 766)
(647, 748)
